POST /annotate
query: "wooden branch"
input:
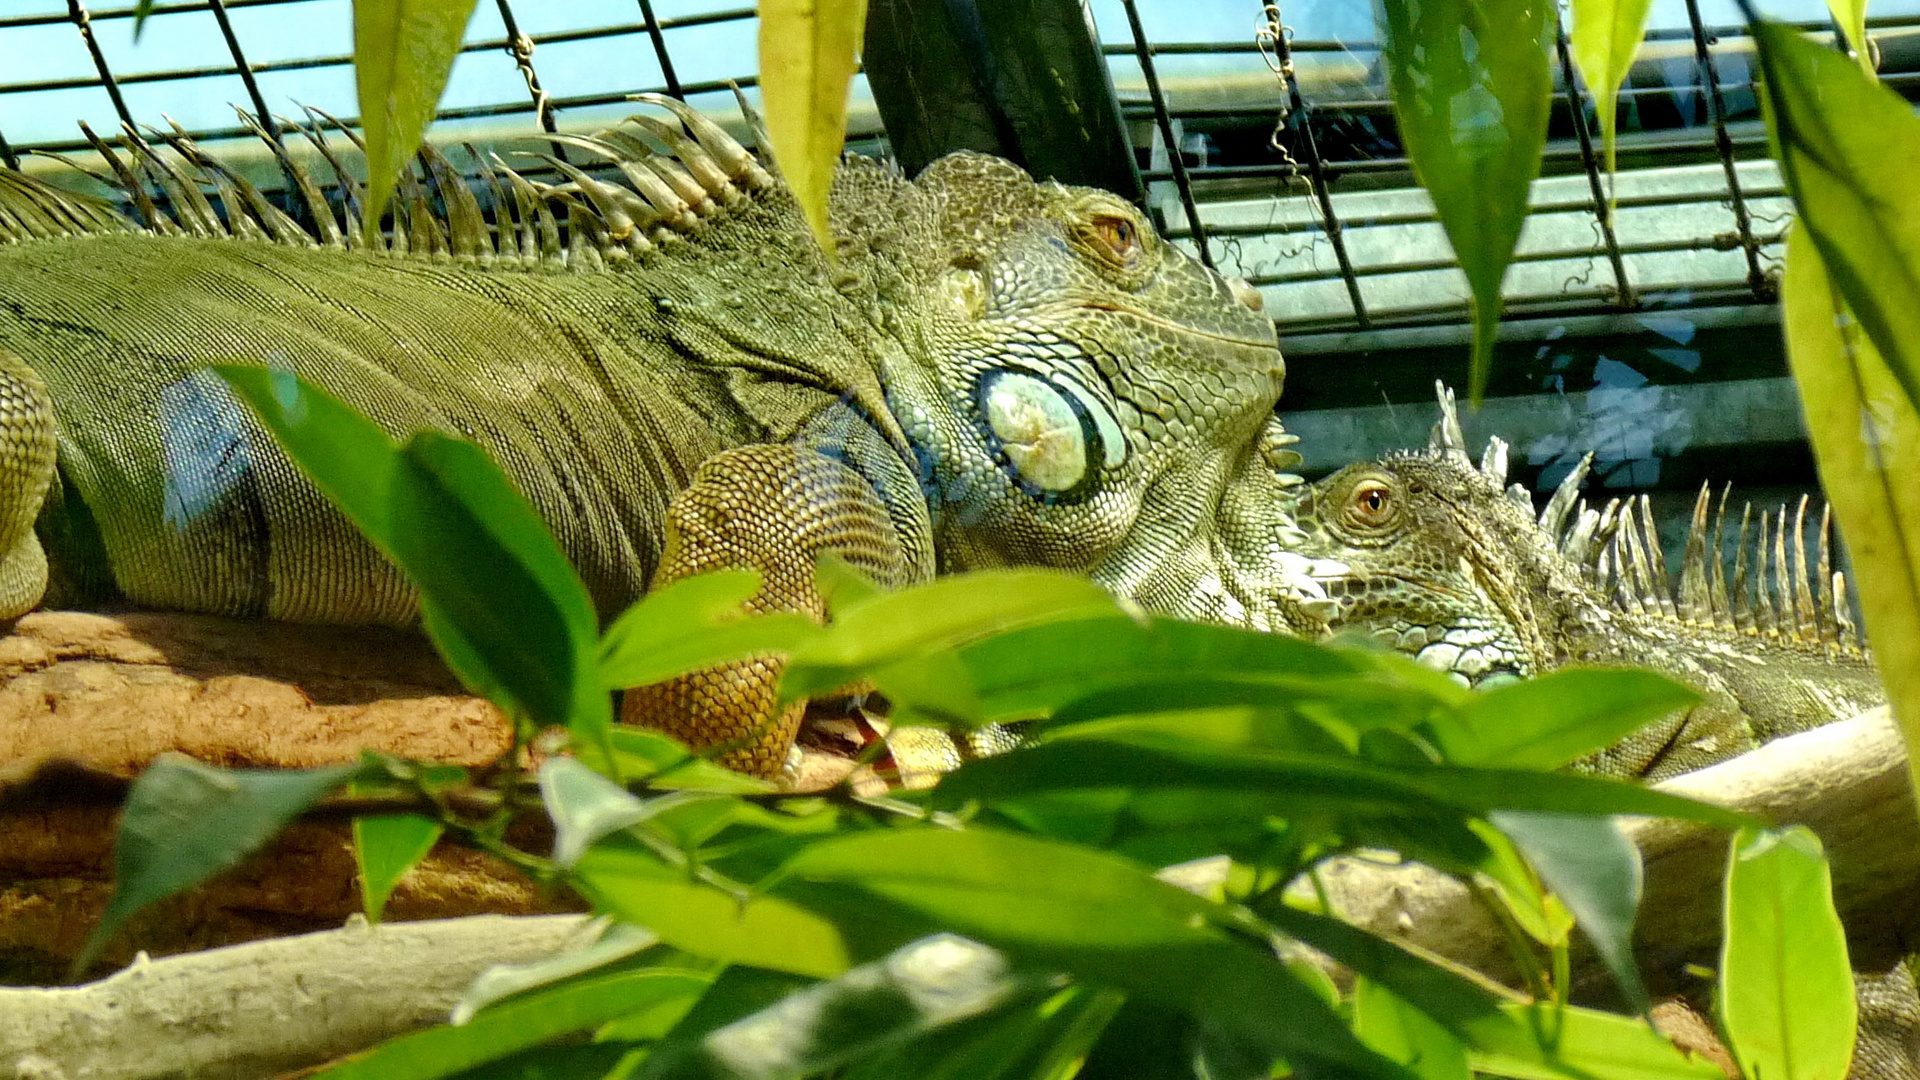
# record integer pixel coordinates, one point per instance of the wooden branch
(265, 1008)
(1846, 781)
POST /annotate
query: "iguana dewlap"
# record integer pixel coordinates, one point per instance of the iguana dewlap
(991, 371)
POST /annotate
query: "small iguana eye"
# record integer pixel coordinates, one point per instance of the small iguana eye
(1372, 505)
(1120, 236)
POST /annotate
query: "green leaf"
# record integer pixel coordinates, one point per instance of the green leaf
(1571, 1043)
(702, 918)
(1307, 781)
(1866, 438)
(1556, 719)
(521, 1022)
(1848, 149)
(809, 50)
(1785, 996)
(487, 564)
(918, 988)
(1091, 914)
(694, 623)
(1595, 870)
(927, 619)
(738, 992)
(1471, 90)
(402, 53)
(1851, 17)
(617, 942)
(584, 807)
(498, 597)
(185, 822)
(385, 847)
(141, 10)
(1402, 1033)
(1022, 674)
(665, 762)
(1606, 35)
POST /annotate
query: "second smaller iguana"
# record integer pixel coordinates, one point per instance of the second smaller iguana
(1440, 559)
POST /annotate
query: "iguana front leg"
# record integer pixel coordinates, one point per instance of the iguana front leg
(772, 509)
(27, 447)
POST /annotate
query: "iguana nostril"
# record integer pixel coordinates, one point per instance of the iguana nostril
(1244, 292)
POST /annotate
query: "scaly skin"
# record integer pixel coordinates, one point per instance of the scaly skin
(992, 372)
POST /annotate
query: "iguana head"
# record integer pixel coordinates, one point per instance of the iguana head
(1078, 390)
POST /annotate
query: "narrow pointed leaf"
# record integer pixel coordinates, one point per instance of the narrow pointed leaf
(809, 50)
(1471, 88)
(1866, 438)
(1606, 35)
(385, 847)
(402, 53)
(1785, 996)
(694, 623)
(1547, 722)
(1851, 17)
(185, 822)
(1595, 870)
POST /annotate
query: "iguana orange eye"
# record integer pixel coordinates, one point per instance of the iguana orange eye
(1121, 237)
(1372, 504)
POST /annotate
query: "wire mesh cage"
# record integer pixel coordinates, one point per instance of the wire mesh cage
(1262, 139)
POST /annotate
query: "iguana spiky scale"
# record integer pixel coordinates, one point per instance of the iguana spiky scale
(990, 371)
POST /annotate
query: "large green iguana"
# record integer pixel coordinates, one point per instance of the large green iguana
(992, 371)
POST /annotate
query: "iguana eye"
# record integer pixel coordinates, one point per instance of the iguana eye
(1119, 236)
(1372, 505)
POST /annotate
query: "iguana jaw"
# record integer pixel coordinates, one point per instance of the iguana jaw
(1264, 346)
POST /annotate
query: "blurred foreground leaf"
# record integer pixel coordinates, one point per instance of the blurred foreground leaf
(402, 53)
(185, 822)
(1471, 89)
(1785, 996)
(809, 50)
(1595, 870)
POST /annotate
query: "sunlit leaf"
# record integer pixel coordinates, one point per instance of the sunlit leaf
(402, 53)
(1595, 870)
(141, 10)
(704, 919)
(1785, 996)
(1471, 88)
(1605, 36)
(1091, 914)
(1547, 722)
(1033, 1038)
(809, 50)
(1866, 439)
(1579, 1044)
(185, 822)
(1403, 1033)
(385, 847)
(1851, 17)
(521, 1022)
(617, 942)
(694, 623)
(928, 618)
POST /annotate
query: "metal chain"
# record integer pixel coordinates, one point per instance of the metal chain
(1271, 36)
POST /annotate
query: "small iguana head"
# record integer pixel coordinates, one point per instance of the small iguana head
(1431, 555)
(1077, 388)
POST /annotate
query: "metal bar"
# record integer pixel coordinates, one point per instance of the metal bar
(77, 13)
(1407, 266)
(1716, 112)
(660, 49)
(520, 47)
(1180, 180)
(260, 111)
(1602, 210)
(1545, 305)
(1301, 120)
